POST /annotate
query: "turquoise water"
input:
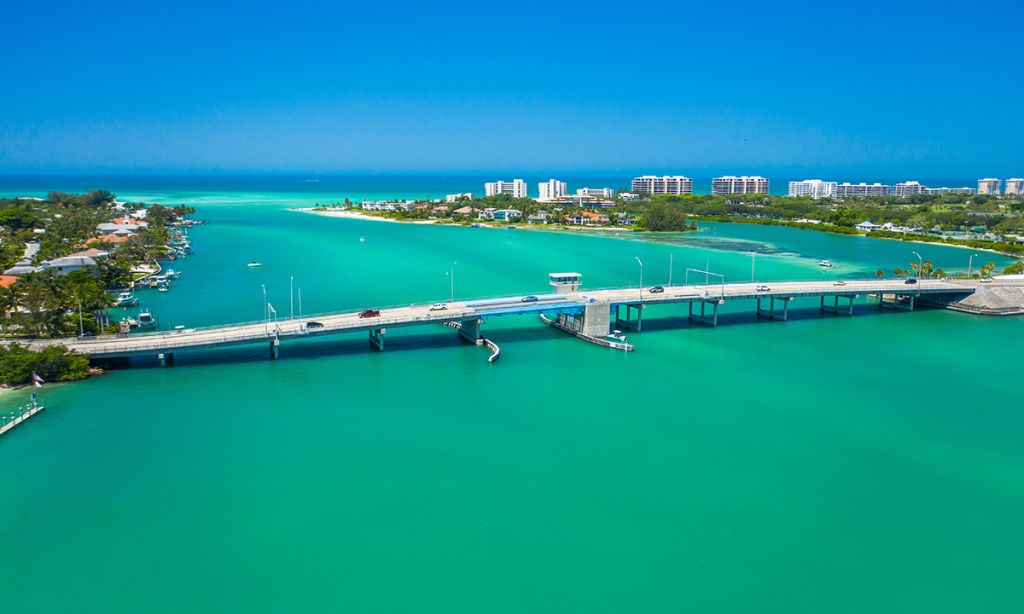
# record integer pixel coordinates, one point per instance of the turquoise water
(827, 463)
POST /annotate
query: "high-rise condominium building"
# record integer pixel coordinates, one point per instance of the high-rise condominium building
(516, 188)
(1015, 186)
(861, 190)
(552, 189)
(739, 185)
(675, 184)
(596, 192)
(815, 188)
(908, 188)
(989, 186)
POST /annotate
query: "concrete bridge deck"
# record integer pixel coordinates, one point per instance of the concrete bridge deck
(472, 313)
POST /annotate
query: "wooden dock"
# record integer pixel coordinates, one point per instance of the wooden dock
(26, 413)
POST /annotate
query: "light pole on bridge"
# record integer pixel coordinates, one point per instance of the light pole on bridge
(970, 266)
(641, 278)
(920, 263)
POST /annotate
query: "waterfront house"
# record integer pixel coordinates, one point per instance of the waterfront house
(867, 226)
(506, 215)
(588, 218)
(486, 214)
(67, 264)
(439, 211)
(541, 217)
(464, 211)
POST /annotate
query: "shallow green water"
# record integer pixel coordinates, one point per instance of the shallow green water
(827, 463)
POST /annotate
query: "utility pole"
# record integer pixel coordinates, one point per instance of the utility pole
(670, 270)
(291, 297)
(641, 278)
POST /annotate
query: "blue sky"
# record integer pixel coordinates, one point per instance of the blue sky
(852, 89)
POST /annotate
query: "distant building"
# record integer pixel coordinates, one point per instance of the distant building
(867, 226)
(861, 190)
(463, 211)
(596, 192)
(1015, 186)
(588, 218)
(815, 188)
(908, 188)
(506, 215)
(944, 191)
(515, 188)
(552, 189)
(721, 186)
(674, 184)
(541, 217)
(628, 196)
(989, 186)
(451, 198)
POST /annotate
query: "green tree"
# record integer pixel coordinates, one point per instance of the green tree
(986, 271)
(1017, 268)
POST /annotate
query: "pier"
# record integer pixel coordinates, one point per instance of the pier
(588, 313)
(10, 423)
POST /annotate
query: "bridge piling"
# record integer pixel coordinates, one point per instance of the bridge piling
(902, 302)
(703, 318)
(771, 313)
(275, 345)
(166, 359)
(627, 323)
(470, 331)
(377, 339)
(834, 307)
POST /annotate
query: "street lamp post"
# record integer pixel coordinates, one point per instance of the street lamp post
(453, 282)
(291, 297)
(753, 256)
(641, 278)
(970, 265)
(266, 330)
(81, 325)
(920, 263)
(670, 270)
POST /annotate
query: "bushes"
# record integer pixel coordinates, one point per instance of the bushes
(54, 364)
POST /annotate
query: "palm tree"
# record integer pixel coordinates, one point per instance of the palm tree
(879, 273)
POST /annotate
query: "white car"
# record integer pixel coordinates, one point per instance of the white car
(762, 288)
(839, 283)
(987, 280)
(438, 307)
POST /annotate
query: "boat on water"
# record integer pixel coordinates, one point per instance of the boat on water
(616, 335)
(825, 263)
(125, 299)
(162, 288)
(362, 239)
(172, 274)
(253, 265)
(146, 320)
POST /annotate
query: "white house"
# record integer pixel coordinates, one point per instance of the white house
(867, 226)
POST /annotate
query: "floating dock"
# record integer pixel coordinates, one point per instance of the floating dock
(26, 413)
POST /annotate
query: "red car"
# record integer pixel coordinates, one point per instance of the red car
(369, 313)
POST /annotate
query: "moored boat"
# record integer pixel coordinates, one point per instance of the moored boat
(125, 299)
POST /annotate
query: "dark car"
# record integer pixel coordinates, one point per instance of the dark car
(656, 290)
(529, 299)
(314, 324)
(369, 313)
(911, 281)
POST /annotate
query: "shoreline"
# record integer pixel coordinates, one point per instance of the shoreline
(563, 228)
(358, 215)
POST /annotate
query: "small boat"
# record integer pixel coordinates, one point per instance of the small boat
(616, 335)
(825, 263)
(253, 265)
(125, 299)
(162, 289)
(172, 274)
(362, 239)
(146, 320)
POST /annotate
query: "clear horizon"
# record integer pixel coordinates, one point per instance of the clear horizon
(320, 88)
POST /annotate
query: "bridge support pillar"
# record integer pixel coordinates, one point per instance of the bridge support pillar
(771, 312)
(470, 331)
(166, 359)
(703, 318)
(275, 348)
(596, 319)
(377, 338)
(627, 323)
(903, 302)
(834, 307)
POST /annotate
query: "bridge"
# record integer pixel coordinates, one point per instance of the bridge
(587, 314)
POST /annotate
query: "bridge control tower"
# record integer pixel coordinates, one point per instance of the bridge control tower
(565, 283)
